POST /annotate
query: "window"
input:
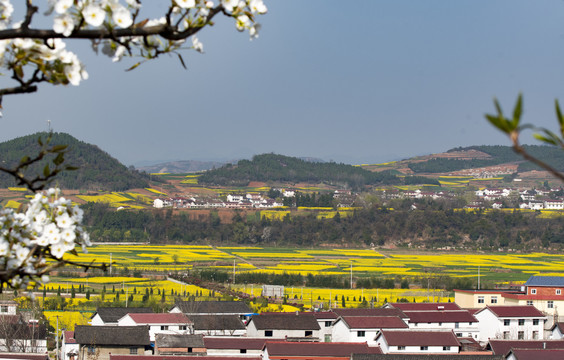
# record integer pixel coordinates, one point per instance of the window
(189, 349)
(558, 291)
(242, 351)
(164, 327)
(440, 323)
(521, 322)
(506, 322)
(530, 302)
(268, 333)
(183, 327)
(550, 304)
(328, 323)
(327, 337)
(401, 347)
(521, 335)
(535, 321)
(535, 335)
(3, 309)
(506, 335)
(361, 333)
(470, 323)
(132, 351)
(91, 350)
(494, 300)
(423, 348)
(456, 325)
(533, 291)
(308, 333)
(458, 334)
(446, 348)
(481, 300)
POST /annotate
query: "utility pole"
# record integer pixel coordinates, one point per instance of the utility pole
(351, 274)
(57, 345)
(233, 271)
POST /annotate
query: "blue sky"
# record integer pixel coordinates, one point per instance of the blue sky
(357, 82)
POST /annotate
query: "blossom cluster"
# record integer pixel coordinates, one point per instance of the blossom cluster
(49, 227)
(50, 61)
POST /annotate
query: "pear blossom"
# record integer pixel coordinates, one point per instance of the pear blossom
(63, 24)
(228, 5)
(185, 4)
(243, 22)
(61, 6)
(197, 45)
(93, 15)
(257, 6)
(122, 17)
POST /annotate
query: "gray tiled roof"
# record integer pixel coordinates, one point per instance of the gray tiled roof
(217, 322)
(179, 341)
(285, 322)
(113, 314)
(213, 307)
(112, 335)
(545, 281)
(424, 357)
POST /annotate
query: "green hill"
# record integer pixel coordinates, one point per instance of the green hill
(97, 170)
(280, 168)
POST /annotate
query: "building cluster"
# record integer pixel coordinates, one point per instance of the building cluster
(248, 201)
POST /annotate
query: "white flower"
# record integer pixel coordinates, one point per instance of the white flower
(62, 6)
(93, 15)
(133, 4)
(68, 235)
(257, 6)
(122, 17)
(63, 24)
(58, 250)
(254, 31)
(197, 44)
(185, 4)
(243, 22)
(228, 5)
(64, 220)
(73, 74)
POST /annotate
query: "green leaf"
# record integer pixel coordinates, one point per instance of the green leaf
(559, 117)
(517, 111)
(499, 122)
(59, 159)
(182, 62)
(46, 170)
(24, 159)
(133, 67)
(544, 139)
(58, 148)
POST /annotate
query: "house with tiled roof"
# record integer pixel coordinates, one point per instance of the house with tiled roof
(235, 346)
(423, 306)
(111, 315)
(364, 328)
(535, 354)
(510, 323)
(369, 312)
(325, 319)
(418, 342)
(180, 357)
(69, 346)
(179, 344)
(218, 325)
(471, 299)
(279, 350)
(168, 323)
(502, 347)
(100, 341)
(546, 293)
(461, 322)
(238, 308)
(22, 336)
(299, 325)
(557, 331)
(484, 356)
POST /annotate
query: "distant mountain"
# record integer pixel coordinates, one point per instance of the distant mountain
(97, 169)
(280, 168)
(179, 167)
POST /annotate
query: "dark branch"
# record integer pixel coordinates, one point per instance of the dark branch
(520, 150)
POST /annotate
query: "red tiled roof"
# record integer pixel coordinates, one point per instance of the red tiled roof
(179, 357)
(319, 349)
(235, 343)
(514, 311)
(69, 337)
(420, 338)
(502, 347)
(374, 322)
(535, 354)
(163, 318)
(369, 312)
(425, 306)
(440, 316)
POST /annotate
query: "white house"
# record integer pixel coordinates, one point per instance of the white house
(69, 346)
(164, 323)
(299, 325)
(510, 322)
(417, 342)
(364, 328)
(460, 321)
(109, 316)
(230, 346)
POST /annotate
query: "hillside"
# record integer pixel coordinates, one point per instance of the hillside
(285, 169)
(181, 166)
(97, 170)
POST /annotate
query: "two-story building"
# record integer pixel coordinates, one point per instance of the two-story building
(510, 323)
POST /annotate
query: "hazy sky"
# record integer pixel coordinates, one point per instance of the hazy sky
(360, 81)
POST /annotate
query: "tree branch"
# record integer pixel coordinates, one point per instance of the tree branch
(520, 150)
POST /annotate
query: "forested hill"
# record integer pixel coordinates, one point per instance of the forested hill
(280, 168)
(496, 155)
(97, 169)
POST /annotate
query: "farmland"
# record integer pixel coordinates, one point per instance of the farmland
(496, 267)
